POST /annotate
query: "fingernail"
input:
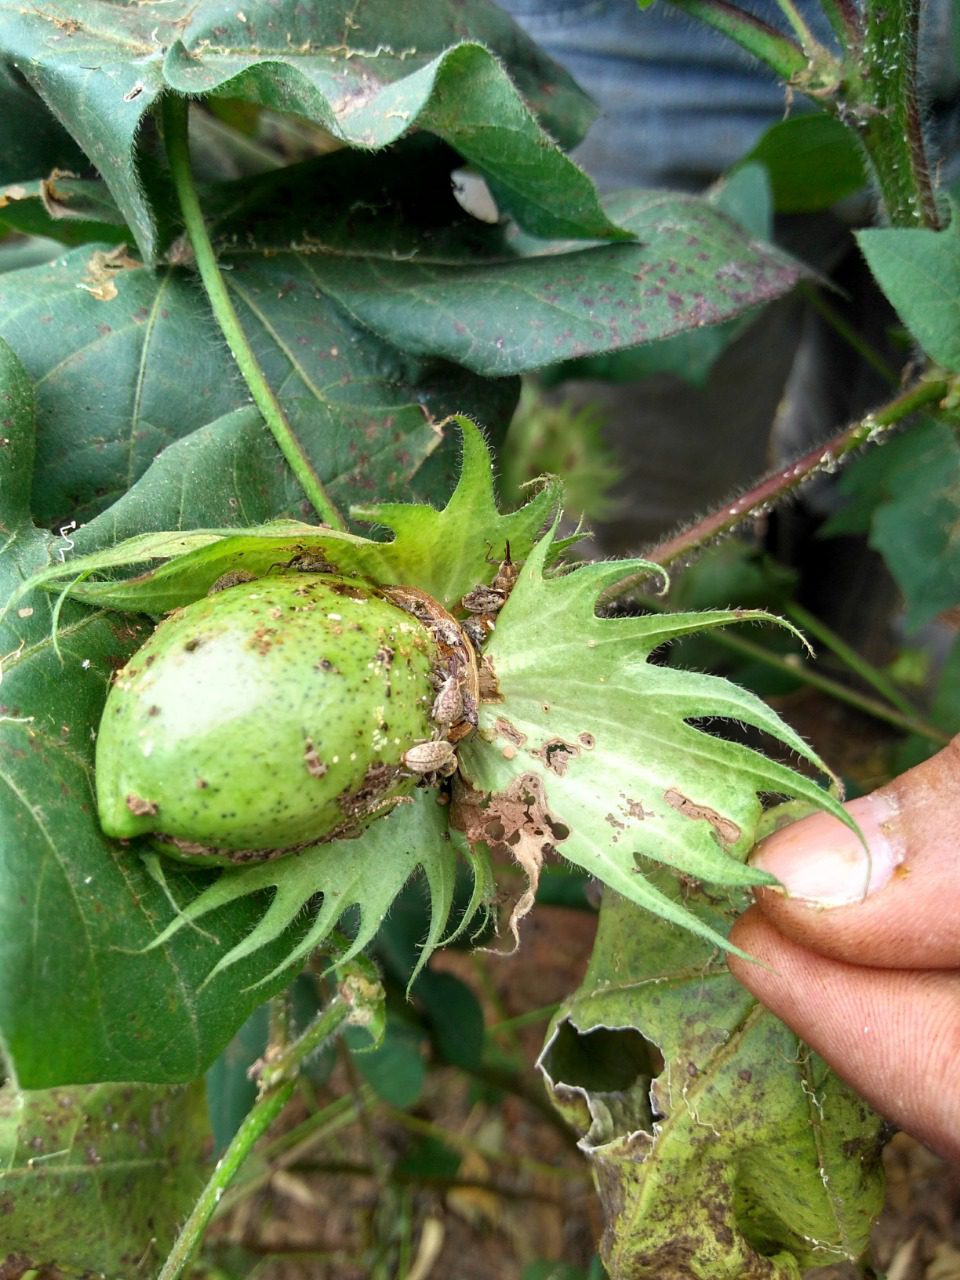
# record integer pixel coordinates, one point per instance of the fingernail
(820, 861)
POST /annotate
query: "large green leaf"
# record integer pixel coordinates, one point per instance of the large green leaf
(230, 472)
(724, 1149)
(691, 265)
(591, 750)
(392, 245)
(72, 902)
(97, 69)
(120, 377)
(919, 271)
(691, 353)
(813, 161)
(97, 1180)
(367, 77)
(463, 96)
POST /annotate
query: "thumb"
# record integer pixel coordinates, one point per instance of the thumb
(891, 905)
(861, 949)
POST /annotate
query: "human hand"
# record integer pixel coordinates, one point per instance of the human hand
(864, 955)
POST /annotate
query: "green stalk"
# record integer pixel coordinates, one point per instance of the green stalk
(815, 296)
(175, 120)
(868, 673)
(278, 1079)
(257, 1120)
(356, 993)
(290, 1148)
(883, 109)
(872, 88)
(861, 702)
(845, 19)
(791, 665)
(800, 29)
(784, 57)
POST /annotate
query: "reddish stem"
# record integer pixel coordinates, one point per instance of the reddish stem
(779, 484)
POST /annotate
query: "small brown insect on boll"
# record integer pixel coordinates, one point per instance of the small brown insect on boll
(448, 705)
(484, 602)
(305, 560)
(234, 578)
(507, 573)
(432, 760)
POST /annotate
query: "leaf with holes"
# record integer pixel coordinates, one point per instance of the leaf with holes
(722, 1146)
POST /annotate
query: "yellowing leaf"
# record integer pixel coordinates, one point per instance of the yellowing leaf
(724, 1148)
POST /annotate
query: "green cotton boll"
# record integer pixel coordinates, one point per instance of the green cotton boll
(266, 717)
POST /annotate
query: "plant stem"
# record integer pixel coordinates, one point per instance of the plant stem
(824, 457)
(277, 1080)
(860, 701)
(257, 1120)
(872, 88)
(845, 19)
(286, 1064)
(853, 339)
(287, 1148)
(880, 102)
(784, 57)
(868, 673)
(175, 129)
(797, 22)
(279, 1034)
